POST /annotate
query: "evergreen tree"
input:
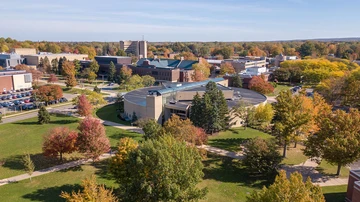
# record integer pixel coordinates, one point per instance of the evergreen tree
(94, 66)
(54, 65)
(60, 64)
(211, 111)
(237, 81)
(134, 118)
(77, 66)
(43, 115)
(112, 72)
(196, 112)
(97, 89)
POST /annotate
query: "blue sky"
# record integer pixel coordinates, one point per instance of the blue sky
(186, 20)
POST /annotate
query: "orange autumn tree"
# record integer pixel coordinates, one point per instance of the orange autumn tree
(258, 84)
(201, 70)
(226, 68)
(52, 78)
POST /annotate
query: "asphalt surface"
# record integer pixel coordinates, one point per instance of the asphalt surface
(35, 113)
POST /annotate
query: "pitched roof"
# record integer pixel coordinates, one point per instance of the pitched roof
(168, 63)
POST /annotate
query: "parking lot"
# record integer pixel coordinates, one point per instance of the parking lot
(21, 100)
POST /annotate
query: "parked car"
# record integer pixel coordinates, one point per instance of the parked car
(63, 100)
(16, 102)
(8, 97)
(21, 101)
(27, 100)
(24, 107)
(13, 97)
(30, 106)
(3, 97)
(110, 84)
(11, 104)
(27, 93)
(18, 96)
(5, 104)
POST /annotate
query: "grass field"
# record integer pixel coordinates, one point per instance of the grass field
(295, 156)
(109, 113)
(335, 193)
(231, 139)
(278, 89)
(26, 136)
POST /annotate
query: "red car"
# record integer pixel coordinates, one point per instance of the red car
(13, 97)
(27, 100)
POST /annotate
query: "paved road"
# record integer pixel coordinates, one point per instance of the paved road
(33, 114)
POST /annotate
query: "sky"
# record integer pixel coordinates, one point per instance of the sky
(173, 20)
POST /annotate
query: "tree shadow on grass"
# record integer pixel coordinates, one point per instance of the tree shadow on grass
(103, 169)
(51, 194)
(225, 169)
(335, 197)
(57, 122)
(118, 135)
(40, 161)
(230, 144)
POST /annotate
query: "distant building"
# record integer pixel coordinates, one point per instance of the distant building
(161, 102)
(353, 189)
(137, 48)
(8, 60)
(104, 62)
(281, 58)
(165, 69)
(34, 59)
(24, 51)
(244, 63)
(15, 80)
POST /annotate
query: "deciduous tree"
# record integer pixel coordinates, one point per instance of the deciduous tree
(68, 70)
(94, 66)
(52, 78)
(237, 81)
(150, 127)
(337, 140)
(91, 191)
(29, 166)
(201, 70)
(292, 189)
(92, 140)
(84, 107)
(261, 156)
(148, 80)
(290, 116)
(226, 68)
(258, 84)
(162, 170)
(58, 141)
(124, 74)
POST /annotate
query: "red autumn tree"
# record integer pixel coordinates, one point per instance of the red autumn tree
(258, 84)
(59, 141)
(84, 106)
(201, 136)
(92, 140)
(52, 78)
(49, 93)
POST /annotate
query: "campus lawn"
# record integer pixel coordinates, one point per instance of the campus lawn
(330, 170)
(231, 139)
(26, 136)
(227, 180)
(278, 89)
(48, 187)
(295, 156)
(109, 113)
(334, 193)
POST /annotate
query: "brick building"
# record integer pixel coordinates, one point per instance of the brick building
(353, 189)
(15, 80)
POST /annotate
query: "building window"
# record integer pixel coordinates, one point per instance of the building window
(27, 78)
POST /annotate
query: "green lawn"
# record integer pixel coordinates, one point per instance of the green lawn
(295, 156)
(328, 169)
(109, 113)
(278, 89)
(48, 187)
(335, 193)
(231, 139)
(27, 136)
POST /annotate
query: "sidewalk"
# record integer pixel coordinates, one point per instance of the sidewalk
(50, 170)
(222, 152)
(307, 169)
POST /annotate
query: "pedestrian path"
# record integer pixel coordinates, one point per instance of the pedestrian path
(307, 169)
(221, 152)
(51, 169)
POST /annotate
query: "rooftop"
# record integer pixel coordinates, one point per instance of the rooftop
(53, 54)
(110, 56)
(167, 63)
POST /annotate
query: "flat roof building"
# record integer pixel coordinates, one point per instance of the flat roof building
(24, 51)
(34, 59)
(160, 102)
(8, 60)
(15, 80)
(353, 189)
(137, 48)
(104, 62)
